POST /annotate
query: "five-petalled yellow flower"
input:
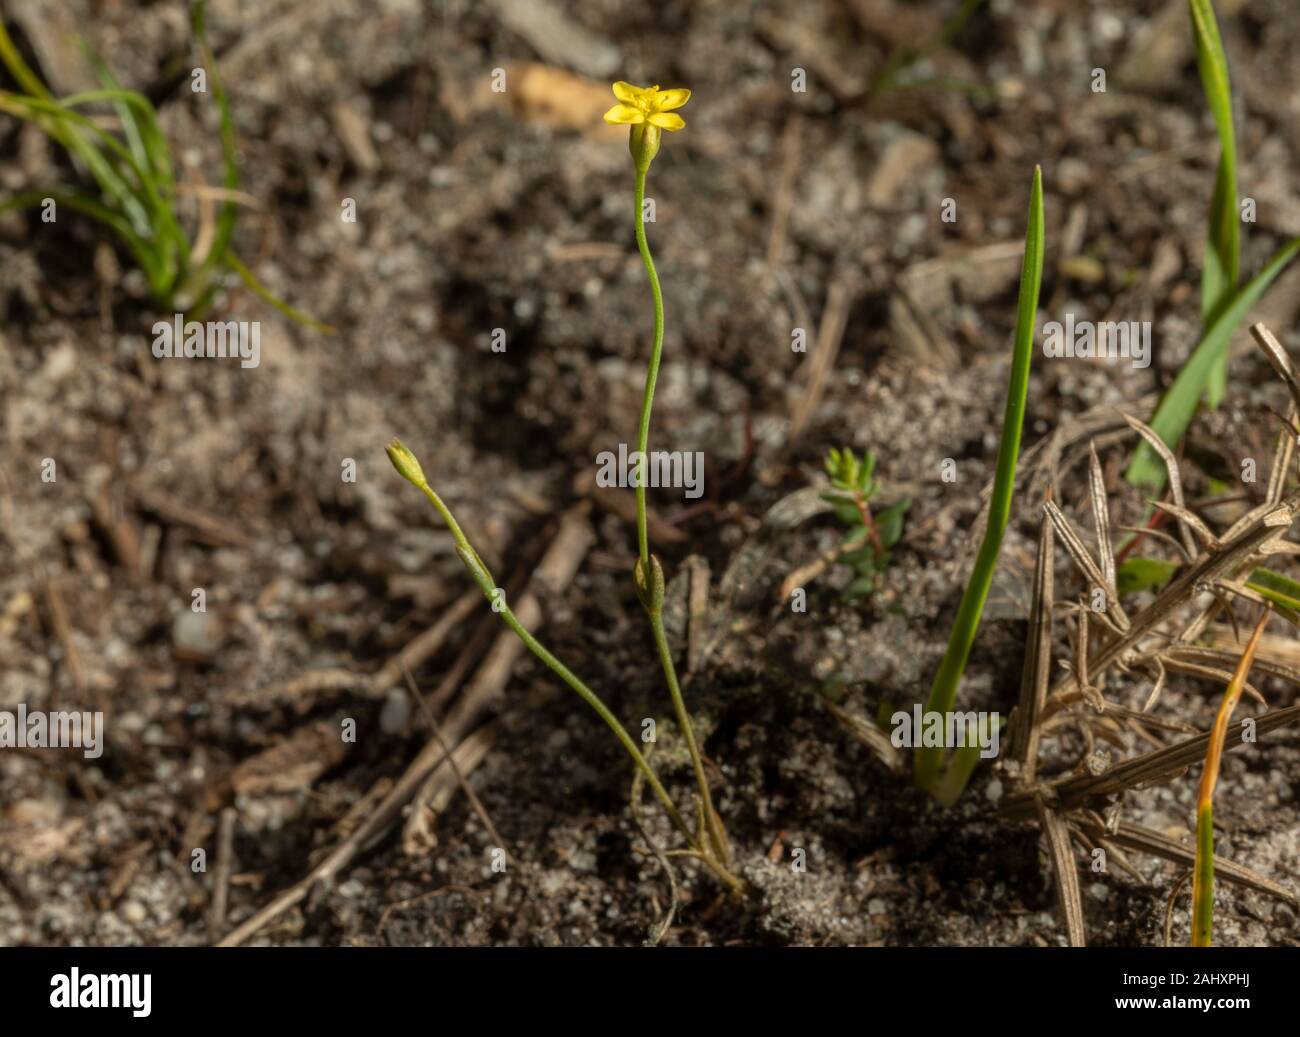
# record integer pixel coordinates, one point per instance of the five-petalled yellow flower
(646, 111)
(647, 104)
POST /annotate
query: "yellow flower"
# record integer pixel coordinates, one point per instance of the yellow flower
(646, 112)
(647, 104)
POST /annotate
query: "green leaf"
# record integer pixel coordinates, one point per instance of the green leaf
(948, 789)
(1282, 591)
(859, 588)
(144, 254)
(844, 510)
(863, 559)
(80, 136)
(943, 693)
(1223, 239)
(864, 482)
(1143, 574)
(889, 522)
(228, 212)
(1179, 403)
(832, 463)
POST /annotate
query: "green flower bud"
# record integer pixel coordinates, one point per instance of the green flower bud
(406, 464)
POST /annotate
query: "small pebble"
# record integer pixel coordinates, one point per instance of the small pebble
(133, 912)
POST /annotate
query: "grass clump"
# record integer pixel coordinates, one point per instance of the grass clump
(136, 193)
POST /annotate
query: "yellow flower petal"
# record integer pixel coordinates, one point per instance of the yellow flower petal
(667, 120)
(626, 92)
(670, 99)
(622, 114)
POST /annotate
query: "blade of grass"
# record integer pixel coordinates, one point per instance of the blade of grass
(18, 68)
(1203, 880)
(226, 217)
(137, 179)
(80, 202)
(266, 295)
(943, 693)
(1281, 591)
(83, 138)
(947, 789)
(151, 162)
(139, 118)
(26, 78)
(1223, 238)
(1101, 518)
(1179, 403)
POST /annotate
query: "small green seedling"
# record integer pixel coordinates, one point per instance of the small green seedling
(137, 192)
(867, 544)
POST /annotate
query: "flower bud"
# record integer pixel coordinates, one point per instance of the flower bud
(405, 463)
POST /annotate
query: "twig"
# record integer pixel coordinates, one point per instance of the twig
(1038, 657)
(224, 865)
(63, 631)
(429, 787)
(1148, 840)
(411, 656)
(830, 334)
(1169, 905)
(1067, 873)
(1077, 790)
(790, 163)
(805, 574)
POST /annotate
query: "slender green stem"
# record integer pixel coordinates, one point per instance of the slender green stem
(651, 374)
(409, 468)
(716, 835)
(490, 591)
(1203, 882)
(655, 611)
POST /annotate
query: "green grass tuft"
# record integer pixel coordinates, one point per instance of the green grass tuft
(135, 193)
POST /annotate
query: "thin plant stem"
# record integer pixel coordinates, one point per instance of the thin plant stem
(651, 374)
(716, 836)
(1203, 881)
(489, 588)
(409, 468)
(655, 608)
